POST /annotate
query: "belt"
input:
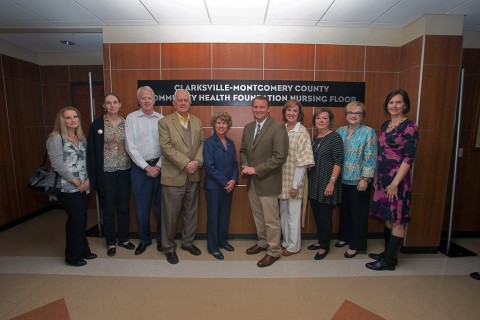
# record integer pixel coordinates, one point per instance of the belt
(152, 162)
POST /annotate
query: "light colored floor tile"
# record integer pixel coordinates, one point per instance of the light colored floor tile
(33, 274)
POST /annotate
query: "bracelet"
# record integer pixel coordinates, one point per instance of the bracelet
(333, 179)
(364, 179)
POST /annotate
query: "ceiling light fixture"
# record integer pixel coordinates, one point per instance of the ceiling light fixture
(68, 43)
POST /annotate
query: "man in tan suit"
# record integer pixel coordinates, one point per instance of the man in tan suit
(181, 142)
(263, 151)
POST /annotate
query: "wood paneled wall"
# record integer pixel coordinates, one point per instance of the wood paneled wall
(32, 96)
(382, 68)
(438, 93)
(466, 216)
(428, 68)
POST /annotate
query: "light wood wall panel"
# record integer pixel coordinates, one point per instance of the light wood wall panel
(237, 56)
(124, 83)
(135, 56)
(439, 89)
(411, 54)
(340, 57)
(237, 74)
(289, 56)
(466, 218)
(382, 59)
(186, 55)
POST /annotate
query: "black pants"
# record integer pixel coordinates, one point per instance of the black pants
(354, 216)
(76, 246)
(322, 213)
(116, 202)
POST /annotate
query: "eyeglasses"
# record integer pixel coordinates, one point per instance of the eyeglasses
(355, 113)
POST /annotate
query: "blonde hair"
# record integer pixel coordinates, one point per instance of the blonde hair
(354, 104)
(61, 128)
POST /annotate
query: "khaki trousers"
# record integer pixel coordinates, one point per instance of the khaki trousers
(267, 221)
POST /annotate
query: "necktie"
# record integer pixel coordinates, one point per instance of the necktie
(257, 132)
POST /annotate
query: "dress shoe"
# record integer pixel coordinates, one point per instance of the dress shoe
(287, 253)
(228, 247)
(381, 265)
(193, 250)
(141, 248)
(78, 263)
(475, 275)
(348, 255)
(320, 256)
(217, 255)
(172, 257)
(314, 246)
(379, 256)
(111, 252)
(128, 245)
(159, 247)
(266, 261)
(340, 244)
(376, 256)
(255, 249)
(89, 256)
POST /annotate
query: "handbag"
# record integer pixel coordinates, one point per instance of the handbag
(45, 181)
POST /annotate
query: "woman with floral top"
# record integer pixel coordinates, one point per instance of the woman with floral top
(108, 165)
(66, 148)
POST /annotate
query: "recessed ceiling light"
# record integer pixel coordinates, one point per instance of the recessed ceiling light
(68, 43)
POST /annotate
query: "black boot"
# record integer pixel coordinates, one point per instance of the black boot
(387, 232)
(389, 257)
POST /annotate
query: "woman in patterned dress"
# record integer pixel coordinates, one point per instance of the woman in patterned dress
(391, 201)
(360, 144)
(300, 157)
(66, 148)
(108, 165)
(324, 183)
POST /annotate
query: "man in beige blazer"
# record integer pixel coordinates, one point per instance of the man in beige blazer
(181, 142)
(263, 151)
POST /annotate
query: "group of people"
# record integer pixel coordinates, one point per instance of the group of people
(160, 159)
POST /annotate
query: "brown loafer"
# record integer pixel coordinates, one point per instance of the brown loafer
(287, 253)
(255, 249)
(266, 261)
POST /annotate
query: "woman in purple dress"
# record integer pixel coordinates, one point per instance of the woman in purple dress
(391, 201)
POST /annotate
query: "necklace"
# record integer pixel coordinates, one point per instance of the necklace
(392, 125)
(319, 143)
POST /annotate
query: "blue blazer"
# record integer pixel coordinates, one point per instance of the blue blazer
(220, 165)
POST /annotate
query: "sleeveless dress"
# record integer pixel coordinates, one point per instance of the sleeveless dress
(394, 147)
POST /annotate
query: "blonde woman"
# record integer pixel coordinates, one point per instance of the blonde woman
(66, 148)
(359, 164)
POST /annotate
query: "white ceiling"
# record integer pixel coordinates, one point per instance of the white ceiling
(39, 25)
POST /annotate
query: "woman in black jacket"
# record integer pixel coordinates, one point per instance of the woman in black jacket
(108, 166)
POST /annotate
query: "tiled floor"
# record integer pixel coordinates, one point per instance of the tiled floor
(33, 275)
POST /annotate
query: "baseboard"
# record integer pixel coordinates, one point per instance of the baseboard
(29, 216)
